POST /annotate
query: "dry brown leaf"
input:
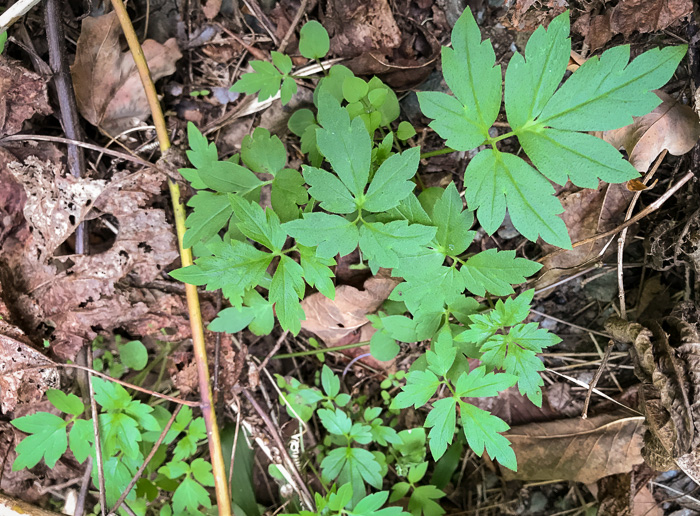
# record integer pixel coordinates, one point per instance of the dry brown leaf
(667, 360)
(211, 8)
(22, 93)
(671, 126)
(334, 321)
(578, 450)
(646, 16)
(627, 16)
(586, 213)
(107, 86)
(16, 353)
(527, 15)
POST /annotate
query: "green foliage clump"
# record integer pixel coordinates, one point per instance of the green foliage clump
(128, 430)
(359, 192)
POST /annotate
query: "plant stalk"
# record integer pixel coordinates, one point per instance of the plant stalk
(217, 459)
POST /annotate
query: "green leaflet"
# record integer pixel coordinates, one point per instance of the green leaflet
(470, 72)
(602, 94)
(441, 421)
(453, 222)
(483, 432)
(346, 145)
(606, 92)
(383, 244)
(495, 271)
(494, 179)
(538, 73)
(286, 290)
(331, 233)
(263, 152)
(268, 79)
(580, 157)
(258, 225)
(210, 213)
(288, 193)
(313, 40)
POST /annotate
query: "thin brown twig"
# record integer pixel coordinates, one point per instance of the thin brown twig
(623, 237)
(561, 321)
(66, 102)
(639, 216)
(292, 27)
(255, 10)
(596, 377)
(84, 486)
(280, 444)
(143, 466)
(94, 372)
(98, 443)
(274, 350)
(68, 141)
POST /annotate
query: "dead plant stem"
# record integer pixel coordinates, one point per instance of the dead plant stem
(199, 346)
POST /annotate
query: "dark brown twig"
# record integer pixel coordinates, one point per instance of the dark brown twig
(84, 486)
(143, 466)
(264, 20)
(66, 101)
(274, 350)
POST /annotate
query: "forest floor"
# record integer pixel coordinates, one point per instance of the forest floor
(56, 300)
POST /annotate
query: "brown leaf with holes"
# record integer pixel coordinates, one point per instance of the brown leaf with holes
(672, 126)
(107, 86)
(339, 321)
(79, 295)
(16, 353)
(578, 450)
(22, 93)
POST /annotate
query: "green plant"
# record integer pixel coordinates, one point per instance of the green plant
(350, 426)
(128, 430)
(365, 199)
(3, 40)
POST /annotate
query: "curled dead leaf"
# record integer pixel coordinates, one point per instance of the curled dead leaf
(343, 320)
(579, 450)
(627, 16)
(672, 126)
(667, 360)
(108, 89)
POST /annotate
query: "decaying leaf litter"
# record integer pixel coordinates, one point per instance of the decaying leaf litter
(52, 295)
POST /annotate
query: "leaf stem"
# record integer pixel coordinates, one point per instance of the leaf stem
(438, 152)
(320, 351)
(198, 342)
